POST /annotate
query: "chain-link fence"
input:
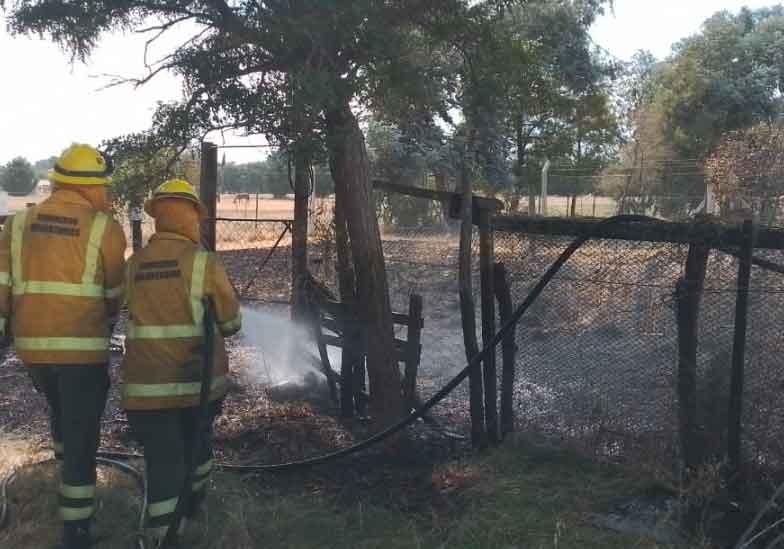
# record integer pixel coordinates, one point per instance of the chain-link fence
(257, 256)
(597, 355)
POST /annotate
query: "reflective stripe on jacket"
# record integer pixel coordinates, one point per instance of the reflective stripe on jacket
(61, 280)
(168, 281)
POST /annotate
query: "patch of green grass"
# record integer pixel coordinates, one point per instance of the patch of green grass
(517, 496)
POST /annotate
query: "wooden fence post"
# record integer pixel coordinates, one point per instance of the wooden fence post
(486, 263)
(738, 353)
(508, 348)
(136, 214)
(688, 294)
(208, 188)
(413, 349)
(467, 313)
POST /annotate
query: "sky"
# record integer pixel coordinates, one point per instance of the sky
(47, 101)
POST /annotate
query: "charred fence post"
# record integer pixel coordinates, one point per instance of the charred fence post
(508, 349)
(208, 189)
(486, 263)
(738, 356)
(413, 349)
(688, 295)
(467, 314)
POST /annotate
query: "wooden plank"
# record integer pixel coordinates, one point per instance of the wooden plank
(332, 341)
(404, 319)
(738, 356)
(700, 231)
(486, 262)
(333, 313)
(336, 308)
(321, 342)
(508, 348)
(332, 324)
(454, 199)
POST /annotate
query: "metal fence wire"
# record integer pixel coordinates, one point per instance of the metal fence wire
(597, 354)
(597, 359)
(257, 257)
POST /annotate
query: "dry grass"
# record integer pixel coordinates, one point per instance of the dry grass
(33, 504)
(519, 496)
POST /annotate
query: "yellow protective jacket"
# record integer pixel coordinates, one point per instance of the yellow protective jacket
(61, 280)
(168, 282)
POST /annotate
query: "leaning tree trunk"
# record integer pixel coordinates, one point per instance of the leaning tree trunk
(352, 366)
(299, 232)
(351, 172)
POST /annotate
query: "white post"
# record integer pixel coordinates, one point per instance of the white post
(543, 197)
(710, 200)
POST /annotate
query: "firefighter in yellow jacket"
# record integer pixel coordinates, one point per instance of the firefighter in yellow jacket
(168, 282)
(61, 280)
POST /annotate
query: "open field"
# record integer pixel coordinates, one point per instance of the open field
(283, 208)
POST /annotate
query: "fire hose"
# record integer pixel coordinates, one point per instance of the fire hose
(101, 460)
(502, 333)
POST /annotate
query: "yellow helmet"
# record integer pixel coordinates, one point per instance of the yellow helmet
(81, 165)
(175, 188)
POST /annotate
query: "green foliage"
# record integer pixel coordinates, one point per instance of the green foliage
(407, 156)
(18, 177)
(536, 88)
(726, 78)
(409, 61)
(142, 163)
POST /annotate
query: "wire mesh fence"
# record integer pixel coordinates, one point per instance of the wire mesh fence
(257, 257)
(597, 359)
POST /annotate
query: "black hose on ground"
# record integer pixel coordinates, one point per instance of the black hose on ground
(100, 460)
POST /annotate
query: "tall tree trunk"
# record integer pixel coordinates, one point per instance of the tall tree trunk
(576, 187)
(352, 366)
(351, 172)
(299, 233)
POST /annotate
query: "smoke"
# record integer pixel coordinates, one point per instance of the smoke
(278, 350)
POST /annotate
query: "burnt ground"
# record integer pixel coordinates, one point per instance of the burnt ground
(256, 427)
(261, 424)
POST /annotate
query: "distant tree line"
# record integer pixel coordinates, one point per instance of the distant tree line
(273, 175)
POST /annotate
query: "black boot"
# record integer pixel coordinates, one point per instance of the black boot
(76, 536)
